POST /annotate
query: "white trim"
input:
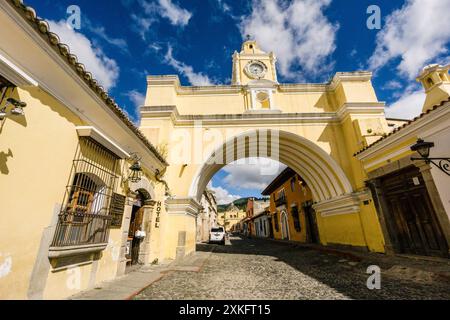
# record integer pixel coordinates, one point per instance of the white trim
(284, 213)
(387, 157)
(87, 131)
(376, 108)
(183, 206)
(14, 74)
(346, 204)
(429, 123)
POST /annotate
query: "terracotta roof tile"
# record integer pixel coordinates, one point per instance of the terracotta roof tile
(404, 126)
(42, 26)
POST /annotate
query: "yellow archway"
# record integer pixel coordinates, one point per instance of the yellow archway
(320, 171)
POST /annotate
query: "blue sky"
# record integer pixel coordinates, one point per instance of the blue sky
(122, 41)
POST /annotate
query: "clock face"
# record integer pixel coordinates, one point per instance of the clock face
(255, 69)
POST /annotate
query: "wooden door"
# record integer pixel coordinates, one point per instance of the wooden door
(312, 232)
(414, 220)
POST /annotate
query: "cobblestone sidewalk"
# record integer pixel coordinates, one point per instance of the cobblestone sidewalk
(131, 284)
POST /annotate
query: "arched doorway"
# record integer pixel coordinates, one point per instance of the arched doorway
(139, 231)
(284, 225)
(135, 235)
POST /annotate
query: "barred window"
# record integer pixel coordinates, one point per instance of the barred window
(85, 216)
(296, 216)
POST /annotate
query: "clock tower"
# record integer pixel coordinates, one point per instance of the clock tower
(253, 64)
(256, 71)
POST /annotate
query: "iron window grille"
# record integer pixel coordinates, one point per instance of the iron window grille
(85, 217)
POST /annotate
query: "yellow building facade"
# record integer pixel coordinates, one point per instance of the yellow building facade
(231, 218)
(313, 128)
(291, 214)
(72, 213)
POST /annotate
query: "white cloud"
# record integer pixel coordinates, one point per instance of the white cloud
(222, 195)
(408, 106)
(224, 6)
(177, 16)
(392, 85)
(151, 12)
(297, 31)
(104, 69)
(416, 34)
(142, 25)
(118, 42)
(136, 97)
(252, 174)
(167, 9)
(196, 79)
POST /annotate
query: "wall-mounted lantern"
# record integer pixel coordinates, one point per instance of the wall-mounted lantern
(135, 169)
(16, 111)
(423, 148)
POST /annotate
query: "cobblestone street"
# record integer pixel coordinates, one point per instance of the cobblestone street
(261, 269)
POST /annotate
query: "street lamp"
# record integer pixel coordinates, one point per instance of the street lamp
(423, 148)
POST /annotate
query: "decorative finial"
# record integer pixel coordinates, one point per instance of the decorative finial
(248, 37)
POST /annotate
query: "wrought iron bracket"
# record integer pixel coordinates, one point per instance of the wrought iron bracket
(442, 163)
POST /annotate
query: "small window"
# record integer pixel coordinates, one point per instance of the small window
(251, 46)
(293, 184)
(430, 82)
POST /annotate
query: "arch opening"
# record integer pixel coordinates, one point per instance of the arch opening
(319, 170)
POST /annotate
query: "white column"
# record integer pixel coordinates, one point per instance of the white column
(253, 95)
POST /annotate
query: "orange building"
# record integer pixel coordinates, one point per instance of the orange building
(291, 214)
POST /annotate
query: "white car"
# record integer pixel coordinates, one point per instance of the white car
(217, 235)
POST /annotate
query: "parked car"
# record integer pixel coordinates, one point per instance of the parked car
(217, 235)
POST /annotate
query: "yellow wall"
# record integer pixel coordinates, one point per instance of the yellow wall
(32, 182)
(36, 157)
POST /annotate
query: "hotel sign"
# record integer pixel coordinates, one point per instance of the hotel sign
(158, 213)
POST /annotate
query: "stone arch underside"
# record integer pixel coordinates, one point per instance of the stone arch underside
(320, 171)
(145, 187)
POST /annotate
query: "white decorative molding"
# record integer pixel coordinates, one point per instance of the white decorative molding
(59, 252)
(183, 206)
(364, 108)
(392, 155)
(345, 204)
(87, 131)
(256, 117)
(14, 74)
(360, 76)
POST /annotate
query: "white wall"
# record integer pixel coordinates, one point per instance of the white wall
(441, 149)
